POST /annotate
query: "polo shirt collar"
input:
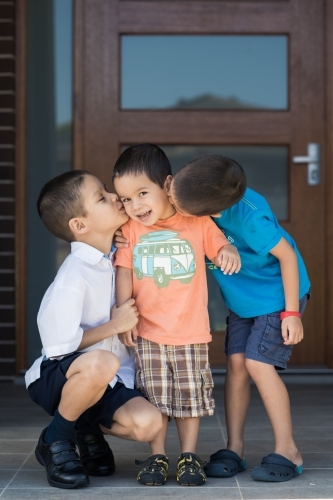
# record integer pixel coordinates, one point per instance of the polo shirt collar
(87, 253)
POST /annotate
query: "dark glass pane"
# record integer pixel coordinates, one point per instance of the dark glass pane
(204, 72)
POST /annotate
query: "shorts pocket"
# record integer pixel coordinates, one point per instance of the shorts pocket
(207, 385)
(271, 344)
(139, 383)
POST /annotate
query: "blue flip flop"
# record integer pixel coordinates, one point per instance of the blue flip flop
(276, 468)
(225, 463)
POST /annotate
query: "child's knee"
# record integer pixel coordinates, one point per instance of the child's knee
(258, 368)
(237, 364)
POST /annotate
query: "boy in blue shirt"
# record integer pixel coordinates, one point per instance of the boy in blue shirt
(266, 300)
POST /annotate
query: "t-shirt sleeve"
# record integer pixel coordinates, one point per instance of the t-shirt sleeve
(213, 238)
(124, 255)
(261, 232)
(59, 321)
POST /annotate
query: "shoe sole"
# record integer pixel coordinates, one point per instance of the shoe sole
(103, 474)
(78, 484)
(188, 482)
(152, 484)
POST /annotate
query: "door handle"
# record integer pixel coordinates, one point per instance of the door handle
(313, 160)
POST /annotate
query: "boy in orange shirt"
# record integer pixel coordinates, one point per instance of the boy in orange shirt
(163, 268)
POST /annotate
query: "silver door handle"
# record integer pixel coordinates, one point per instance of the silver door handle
(313, 161)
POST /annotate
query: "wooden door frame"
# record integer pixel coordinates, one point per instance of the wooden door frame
(329, 182)
(94, 124)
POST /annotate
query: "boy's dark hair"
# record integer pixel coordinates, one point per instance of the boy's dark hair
(144, 159)
(60, 200)
(209, 185)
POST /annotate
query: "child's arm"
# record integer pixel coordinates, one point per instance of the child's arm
(123, 318)
(228, 259)
(124, 287)
(292, 328)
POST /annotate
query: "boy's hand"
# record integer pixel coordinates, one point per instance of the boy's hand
(292, 330)
(228, 259)
(119, 240)
(125, 317)
(129, 338)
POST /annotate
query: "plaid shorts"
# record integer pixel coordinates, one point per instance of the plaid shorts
(175, 378)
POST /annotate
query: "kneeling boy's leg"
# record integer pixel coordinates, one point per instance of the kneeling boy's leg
(137, 420)
(86, 379)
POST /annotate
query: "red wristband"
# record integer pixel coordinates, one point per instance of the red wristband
(285, 314)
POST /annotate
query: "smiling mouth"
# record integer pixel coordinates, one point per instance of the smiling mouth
(144, 216)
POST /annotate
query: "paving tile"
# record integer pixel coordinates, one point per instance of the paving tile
(292, 492)
(116, 493)
(5, 477)
(12, 461)
(17, 446)
(25, 423)
(30, 479)
(17, 433)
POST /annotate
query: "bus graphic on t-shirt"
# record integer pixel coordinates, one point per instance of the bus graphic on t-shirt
(162, 256)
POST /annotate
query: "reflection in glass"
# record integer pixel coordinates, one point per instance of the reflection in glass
(204, 72)
(49, 120)
(266, 169)
(63, 98)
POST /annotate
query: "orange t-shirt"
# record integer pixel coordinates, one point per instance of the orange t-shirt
(169, 276)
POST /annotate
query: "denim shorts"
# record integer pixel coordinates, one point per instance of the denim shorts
(46, 392)
(260, 338)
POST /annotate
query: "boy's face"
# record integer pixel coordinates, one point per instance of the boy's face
(105, 213)
(143, 200)
(173, 201)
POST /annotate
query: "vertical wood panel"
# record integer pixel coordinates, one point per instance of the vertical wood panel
(329, 184)
(96, 99)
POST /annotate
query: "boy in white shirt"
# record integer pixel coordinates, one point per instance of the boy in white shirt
(85, 376)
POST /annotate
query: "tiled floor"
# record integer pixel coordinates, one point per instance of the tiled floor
(21, 477)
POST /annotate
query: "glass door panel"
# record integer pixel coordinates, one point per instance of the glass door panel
(204, 72)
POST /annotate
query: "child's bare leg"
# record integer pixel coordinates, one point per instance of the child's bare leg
(87, 379)
(236, 400)
(188, 431)
(157, 445)
(275, 397)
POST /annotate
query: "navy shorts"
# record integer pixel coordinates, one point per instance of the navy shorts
(46, 392)
(259, 338)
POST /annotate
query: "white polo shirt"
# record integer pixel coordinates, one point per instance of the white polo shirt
(80, 298)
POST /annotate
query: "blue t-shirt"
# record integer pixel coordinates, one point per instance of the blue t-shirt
(253, 228)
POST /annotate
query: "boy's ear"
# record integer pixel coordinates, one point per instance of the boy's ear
(78, 226)
(167, 183)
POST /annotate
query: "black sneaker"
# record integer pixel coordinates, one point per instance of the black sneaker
(62, 463)
(155, 470)
(95, 453)
(190, 470)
